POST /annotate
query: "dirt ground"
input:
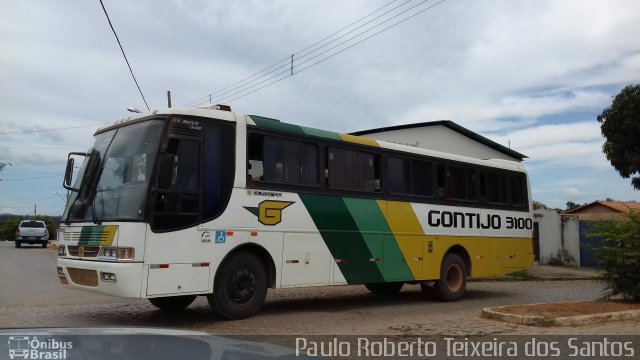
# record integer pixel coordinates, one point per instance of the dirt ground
(571, 308)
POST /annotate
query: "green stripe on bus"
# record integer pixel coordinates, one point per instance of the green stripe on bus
(321, 133)
(101, 235)
(378, 237)
(90, 235)
(276, 125)
(343, 238)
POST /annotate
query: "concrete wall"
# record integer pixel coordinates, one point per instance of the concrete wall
(571, 232)
(559, 238)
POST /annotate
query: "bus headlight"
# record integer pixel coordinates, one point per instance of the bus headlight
(117, 253)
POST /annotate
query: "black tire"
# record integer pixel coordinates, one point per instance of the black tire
(44, 244)
(172, 303)
(240, 286)
(18, 243)
(453, 279)
(385, 288)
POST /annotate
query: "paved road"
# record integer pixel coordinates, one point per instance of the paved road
(338, 310)
(28, 278)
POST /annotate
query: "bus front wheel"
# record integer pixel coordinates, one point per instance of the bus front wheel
(240, 286)
(453, 279)
(172, 303)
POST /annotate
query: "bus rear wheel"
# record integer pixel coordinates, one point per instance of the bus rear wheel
(385, 288)
(240, 286)
(172, 303)
(453, 279)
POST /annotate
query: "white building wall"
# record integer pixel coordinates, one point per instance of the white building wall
(559, 238)
(440, 138)
(572, 237)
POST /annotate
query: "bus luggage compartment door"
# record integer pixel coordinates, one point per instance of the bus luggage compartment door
(171, 279)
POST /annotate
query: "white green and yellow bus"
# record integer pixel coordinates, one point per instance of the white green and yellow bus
(178, 203)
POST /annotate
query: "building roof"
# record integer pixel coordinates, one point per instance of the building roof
(617, 206)
(453, 126)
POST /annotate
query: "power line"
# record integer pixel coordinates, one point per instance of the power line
(241, 94)
(47, 130)
(123, 54)
(291, 67)
(38, 148)
(244, 82)
(33, 178)
(369, 37)
(31, 189)
(31, 207)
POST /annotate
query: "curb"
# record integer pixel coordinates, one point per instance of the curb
(505, 279)
(535, 320)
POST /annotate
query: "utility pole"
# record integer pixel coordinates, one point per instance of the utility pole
(35, 210)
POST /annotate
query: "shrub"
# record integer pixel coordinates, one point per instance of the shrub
(8, 228)
(619, 259)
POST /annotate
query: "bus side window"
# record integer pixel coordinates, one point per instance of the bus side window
(422, 177)
(255, 157)
(518, 190)
(342, 167)
(353, 170)
(177, 199)
(399, 175)
(496, 188)
(369, 172)
(442, 181)
(218, 169)
(282, 161)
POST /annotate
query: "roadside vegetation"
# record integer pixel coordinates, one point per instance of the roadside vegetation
(9, 225)
(619, 258)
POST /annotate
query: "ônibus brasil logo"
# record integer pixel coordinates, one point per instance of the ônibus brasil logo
(23, 347)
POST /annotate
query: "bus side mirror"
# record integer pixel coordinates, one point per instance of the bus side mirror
(165, 172)
(67, 182)
(68, 173)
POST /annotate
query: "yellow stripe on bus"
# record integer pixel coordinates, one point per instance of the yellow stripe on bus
(110, 234)
(407, 231)
(359, 140)
(489, 256)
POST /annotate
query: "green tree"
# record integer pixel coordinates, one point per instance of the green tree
(619, 259)
(8, 228)
(571, 205)
(620, 125)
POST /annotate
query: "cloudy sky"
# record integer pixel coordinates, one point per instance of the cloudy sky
(534, 74)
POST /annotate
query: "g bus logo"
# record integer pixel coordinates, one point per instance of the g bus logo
(269, 212)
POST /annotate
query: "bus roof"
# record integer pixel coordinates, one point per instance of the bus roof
(279, 126)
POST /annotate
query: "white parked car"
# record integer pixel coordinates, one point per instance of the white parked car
(32, 232)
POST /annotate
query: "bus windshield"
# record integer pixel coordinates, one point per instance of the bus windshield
(114, 178)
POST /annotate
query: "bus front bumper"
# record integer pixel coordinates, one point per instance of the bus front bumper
(109, 278)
